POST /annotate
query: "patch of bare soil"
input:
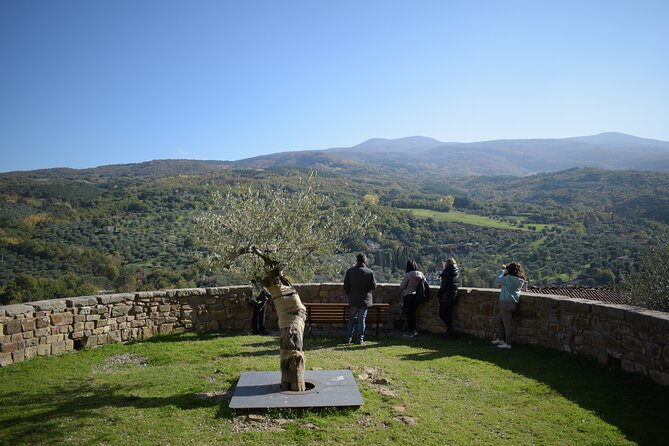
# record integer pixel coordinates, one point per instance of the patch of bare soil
(373, 377)
(120, 362)
(257, 423)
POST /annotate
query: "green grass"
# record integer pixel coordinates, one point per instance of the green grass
(168, 390)
(468, 219)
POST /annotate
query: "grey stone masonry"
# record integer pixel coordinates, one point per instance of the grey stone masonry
(633, 339)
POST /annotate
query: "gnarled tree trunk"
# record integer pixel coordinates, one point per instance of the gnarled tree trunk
(292, 316)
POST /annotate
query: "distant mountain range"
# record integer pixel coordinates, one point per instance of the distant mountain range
(499, 157)
(418, 154)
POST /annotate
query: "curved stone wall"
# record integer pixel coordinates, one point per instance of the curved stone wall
(634, 339)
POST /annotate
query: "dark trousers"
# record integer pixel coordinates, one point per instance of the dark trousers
(446, 314)
(258, 319)
(409, 306)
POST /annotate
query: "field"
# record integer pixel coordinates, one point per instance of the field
(468, 219)
(175, 390)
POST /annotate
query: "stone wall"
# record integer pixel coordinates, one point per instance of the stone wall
(634, 339)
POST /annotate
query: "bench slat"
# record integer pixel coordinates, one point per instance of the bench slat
(337, 313)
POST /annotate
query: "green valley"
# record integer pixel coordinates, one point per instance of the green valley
(123, 229)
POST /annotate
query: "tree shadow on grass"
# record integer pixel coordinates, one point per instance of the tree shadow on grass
(638, 407)
(41, 418)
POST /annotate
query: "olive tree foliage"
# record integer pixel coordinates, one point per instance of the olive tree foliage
(255, 229)
(649, 287)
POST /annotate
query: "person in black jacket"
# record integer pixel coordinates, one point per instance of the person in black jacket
(358, 283)
(448, 294)
(258, 303)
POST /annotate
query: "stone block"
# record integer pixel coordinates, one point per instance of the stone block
(43, 321)
(101, 310)
(137, 309)
(30, 352)
(212, 326)
(581, 323)
(609, 311)
(6, 359)
(120, 310)
(81, 301)
(91, 341)
(13, 326)
(8, 347)
(144, 295)
(115, 298)
(659, 377)
(85, 311)
(114, 336)
(627, 365)
(218, 291)
(566, 320)
(164, 308)
(641, 369)
(166, 329)
(17, 310)
(575, 306)
(18, 356)
(219, 315)
(44, 349)
(56, 305)
(101, 323)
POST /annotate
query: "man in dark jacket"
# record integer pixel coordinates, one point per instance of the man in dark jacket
(358, 283)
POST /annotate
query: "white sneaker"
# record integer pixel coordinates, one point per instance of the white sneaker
(504, 345)
(497, 341)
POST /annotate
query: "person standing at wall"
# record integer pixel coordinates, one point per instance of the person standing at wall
(258, 304)
(448, 294)
(512, 278)
(358, 283)
(412, 279)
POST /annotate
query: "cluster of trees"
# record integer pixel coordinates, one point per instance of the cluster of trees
(133, 232)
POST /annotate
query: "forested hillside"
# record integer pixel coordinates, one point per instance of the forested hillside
(131, 227)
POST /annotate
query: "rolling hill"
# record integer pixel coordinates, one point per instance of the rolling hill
(516, 157)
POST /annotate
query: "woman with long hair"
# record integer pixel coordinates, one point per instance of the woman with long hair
(512, 277)
(412, 279)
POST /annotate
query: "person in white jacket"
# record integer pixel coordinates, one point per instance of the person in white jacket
(512, 277)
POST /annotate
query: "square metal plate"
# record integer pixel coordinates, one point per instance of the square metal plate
(262, 390)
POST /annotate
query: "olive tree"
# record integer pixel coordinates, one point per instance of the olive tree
(275, 236)
(649, 287)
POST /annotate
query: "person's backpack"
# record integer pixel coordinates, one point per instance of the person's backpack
(423, 292)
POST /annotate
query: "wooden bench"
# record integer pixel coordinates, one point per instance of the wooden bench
(337, 313)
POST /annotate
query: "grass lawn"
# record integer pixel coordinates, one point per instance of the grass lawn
(462, 217)
(174, 390)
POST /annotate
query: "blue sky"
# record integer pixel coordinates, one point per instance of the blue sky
(88, 83)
